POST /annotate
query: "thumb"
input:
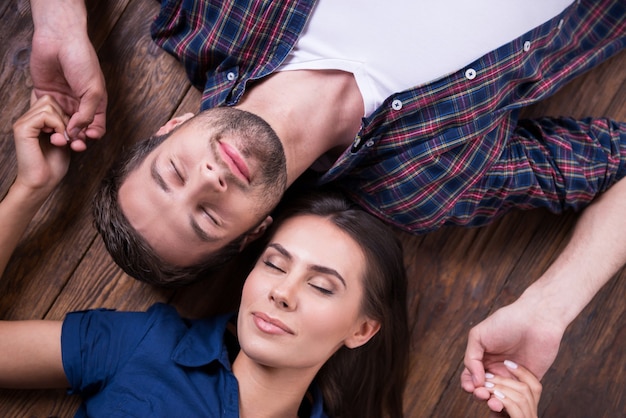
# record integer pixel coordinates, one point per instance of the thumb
(88, 117)
(474, 355)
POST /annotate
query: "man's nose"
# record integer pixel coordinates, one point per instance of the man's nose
(212, 177)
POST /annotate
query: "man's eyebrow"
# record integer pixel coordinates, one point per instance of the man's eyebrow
(157, 177)
(314, 267)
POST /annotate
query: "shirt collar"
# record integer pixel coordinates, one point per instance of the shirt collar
(204, 343)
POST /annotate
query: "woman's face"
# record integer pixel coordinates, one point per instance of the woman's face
(302, 300)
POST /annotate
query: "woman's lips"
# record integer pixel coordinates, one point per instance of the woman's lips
(270, 325)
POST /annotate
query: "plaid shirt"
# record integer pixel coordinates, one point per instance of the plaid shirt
(449, 152)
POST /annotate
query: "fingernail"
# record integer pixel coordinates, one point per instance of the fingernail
(510, 364)
(489, 375)
(67, 138)
(499, 394)
(74, 133)
(489, 385)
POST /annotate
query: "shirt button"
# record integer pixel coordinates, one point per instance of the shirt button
(526, 46)
(369, 143)
(230, 76)
(560, 24)
(396, 104)
(470, 74)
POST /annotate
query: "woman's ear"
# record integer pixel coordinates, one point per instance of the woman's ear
(366, 330)
(174, 122)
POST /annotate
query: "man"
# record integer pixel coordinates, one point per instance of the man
(450, 151)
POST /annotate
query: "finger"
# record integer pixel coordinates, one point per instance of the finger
(78, 145)
(474, 354)
(90, 115)
(515, 395)
(40, 118)
(58, 139)
(495, 404)
(467, 383)
(516, 404)
(97, 129)
(45, 103)
(525, 376)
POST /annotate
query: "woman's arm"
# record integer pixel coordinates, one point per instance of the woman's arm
(30, 355)
(40, 167)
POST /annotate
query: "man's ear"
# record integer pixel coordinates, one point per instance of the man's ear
(174, 122)
(257, 232)
(366, 330)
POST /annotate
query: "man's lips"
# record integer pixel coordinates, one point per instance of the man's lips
(235, 161)
(270, 325)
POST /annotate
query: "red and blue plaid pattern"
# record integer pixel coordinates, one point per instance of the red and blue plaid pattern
(449, 152)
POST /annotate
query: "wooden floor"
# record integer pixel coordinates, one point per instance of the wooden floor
(458, 276)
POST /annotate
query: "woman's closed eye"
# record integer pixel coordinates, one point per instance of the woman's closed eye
(273, 266)
(322, 285)
(322, 290)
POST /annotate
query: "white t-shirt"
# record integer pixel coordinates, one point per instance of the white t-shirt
(393, 45)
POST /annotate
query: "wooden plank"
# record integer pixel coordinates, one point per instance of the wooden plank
(458, 276)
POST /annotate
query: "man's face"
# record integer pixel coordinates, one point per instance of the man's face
(197, 191)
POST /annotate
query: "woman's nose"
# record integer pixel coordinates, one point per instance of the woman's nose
(283, 295)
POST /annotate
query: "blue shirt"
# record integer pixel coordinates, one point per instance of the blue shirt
(155, 364)
(452, 151)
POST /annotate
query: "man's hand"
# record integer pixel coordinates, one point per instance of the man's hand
(517, 332)
(40, 165)
(64, 65)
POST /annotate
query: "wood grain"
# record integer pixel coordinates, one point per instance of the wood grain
(457, 276)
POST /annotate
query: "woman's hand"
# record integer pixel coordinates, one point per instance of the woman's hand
(519, 395)
(40, 165)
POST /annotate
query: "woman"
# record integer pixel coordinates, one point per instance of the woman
(321, 330)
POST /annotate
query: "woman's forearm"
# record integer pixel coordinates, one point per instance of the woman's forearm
(16, 211)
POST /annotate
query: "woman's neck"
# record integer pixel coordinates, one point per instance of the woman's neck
(266, 392)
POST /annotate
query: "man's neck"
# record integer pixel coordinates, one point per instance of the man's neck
(313, 112)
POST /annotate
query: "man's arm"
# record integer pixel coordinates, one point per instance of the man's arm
(64, 65)
(529, 330)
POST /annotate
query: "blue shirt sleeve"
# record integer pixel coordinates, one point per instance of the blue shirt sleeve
(95, 344)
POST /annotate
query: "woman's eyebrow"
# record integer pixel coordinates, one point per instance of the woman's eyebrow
(315, 267)
(280, 249)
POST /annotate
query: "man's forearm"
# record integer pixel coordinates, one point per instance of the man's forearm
(54, 17)
(595, 253)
